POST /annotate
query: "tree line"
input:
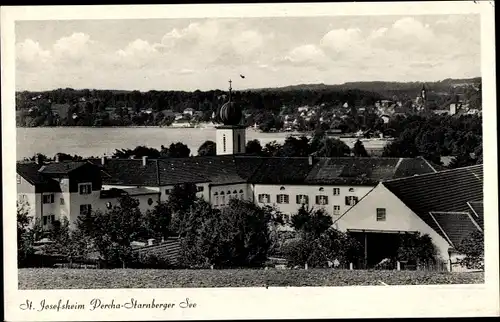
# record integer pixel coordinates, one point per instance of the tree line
(69, 107)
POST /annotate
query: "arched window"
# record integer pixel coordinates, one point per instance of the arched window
(242, 195)
(108, 205)
(282, 188)
(239, 143)
(321, 189)
(224, 142)
(235, 191)
(351, 189)
(228, 192)
(150, 201)
(216, 199)
(222, 198)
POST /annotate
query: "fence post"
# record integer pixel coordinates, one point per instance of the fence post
(351, 266)
(305, 266)
(398, 265)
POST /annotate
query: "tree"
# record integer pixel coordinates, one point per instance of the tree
(311, 222)
(294, 147)
(359, 149)
(111, 233)
(472, 247)
(25, 235)
(178, 150)
(208, 148)
(158, 220)
(235, 236)
(416, 248)
(462, 160)
(272, 149)
(180, 200)
(254, 147)
(333, 148)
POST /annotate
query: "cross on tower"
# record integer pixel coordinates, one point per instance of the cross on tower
(230, 88)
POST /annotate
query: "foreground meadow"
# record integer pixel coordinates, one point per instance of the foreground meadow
(50, 278)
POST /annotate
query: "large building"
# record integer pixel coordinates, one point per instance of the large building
(446, 205)
(69, 189)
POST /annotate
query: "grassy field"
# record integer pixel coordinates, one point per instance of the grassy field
(59, 278)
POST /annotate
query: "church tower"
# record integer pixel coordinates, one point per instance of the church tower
(230, 137)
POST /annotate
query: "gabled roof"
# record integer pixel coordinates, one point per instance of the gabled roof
(454, 226)
(61, 168)
(259, 170)
(29, 171)
(477, 208)
(442, 192)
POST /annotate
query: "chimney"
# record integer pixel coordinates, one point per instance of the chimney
(144, 161)
(103, 160)
(57, 158)
(37, 159)
(311, 160)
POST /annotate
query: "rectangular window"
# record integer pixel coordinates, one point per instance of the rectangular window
(52, 218)
(264, 198)
(336, 191)
(48, 198)
(380, 214)
(282, 199)
(85, 209)
(302, 199)
(167, 191)
(351, 200)
(216, 200)
(199, 188)
(62, 201)
(322, 200)
(45, 220)
(18, 178)
(85, 188)
(336, 210)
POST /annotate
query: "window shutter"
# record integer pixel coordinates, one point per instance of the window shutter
(317, 200)
(297, 197)
(347, 200)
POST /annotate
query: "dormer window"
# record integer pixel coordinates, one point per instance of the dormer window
(85, 188)
(282, 188)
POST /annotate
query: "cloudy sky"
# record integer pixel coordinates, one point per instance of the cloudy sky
(189, 54)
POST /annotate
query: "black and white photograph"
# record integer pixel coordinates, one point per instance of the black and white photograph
(229, 150)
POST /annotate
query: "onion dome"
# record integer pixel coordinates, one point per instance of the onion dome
(230, 114)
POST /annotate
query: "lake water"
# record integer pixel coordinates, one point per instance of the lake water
(99, 141)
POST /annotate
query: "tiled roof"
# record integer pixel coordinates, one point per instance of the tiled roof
(281, 171)
(263, 170)
(29, 171)
(444, 191)
(61, 167)
(454, 226)
(477, 208)
(168, 249)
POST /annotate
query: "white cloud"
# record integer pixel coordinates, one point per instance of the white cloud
(73, 47)
(341, 39)
(30, 51)
(305, 54)
(204, 54)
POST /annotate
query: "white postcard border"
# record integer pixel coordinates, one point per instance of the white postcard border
(255, 303)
